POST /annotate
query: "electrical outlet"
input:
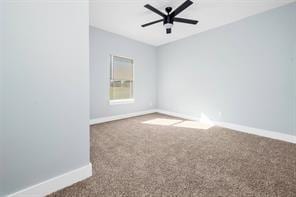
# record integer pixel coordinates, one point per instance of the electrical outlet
(220, 114)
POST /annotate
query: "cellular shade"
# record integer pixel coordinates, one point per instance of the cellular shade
(122, 69)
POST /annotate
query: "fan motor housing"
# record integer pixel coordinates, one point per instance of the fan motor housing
(168, 19)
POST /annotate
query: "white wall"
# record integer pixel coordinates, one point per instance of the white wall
(102, 45)
(46, 92)
(240, 73)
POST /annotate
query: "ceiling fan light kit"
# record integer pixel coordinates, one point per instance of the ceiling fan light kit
(169, 18)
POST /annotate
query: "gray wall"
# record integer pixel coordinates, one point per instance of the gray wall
(1, 109)
(240, 73)
(102, 45)
(294, 66)
(46, 93)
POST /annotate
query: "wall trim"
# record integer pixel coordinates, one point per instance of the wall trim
(59, 182)
(119, 117)
(239, 128)
(54, 184)
(232, 126)
(260, 132)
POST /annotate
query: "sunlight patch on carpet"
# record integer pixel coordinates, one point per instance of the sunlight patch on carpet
(193, 125)
(179, 123)
(162, 121)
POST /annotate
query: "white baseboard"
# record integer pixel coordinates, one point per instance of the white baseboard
(259, 132)
(232, 126)
(119, 117)
(54, 184)
(69, 178)
(239, 128)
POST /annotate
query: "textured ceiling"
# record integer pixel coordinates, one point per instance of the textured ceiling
(124, 17)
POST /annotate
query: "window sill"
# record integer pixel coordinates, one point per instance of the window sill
(121, 101)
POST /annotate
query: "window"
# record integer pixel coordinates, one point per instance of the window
(121, 80)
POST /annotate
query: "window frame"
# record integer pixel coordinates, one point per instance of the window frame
(121, 101)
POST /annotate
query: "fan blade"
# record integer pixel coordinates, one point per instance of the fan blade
(182, 7)
(184, 20)
(168, 31)
(151, 23)
(154, 10)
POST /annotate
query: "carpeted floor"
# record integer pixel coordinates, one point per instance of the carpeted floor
(131, 158)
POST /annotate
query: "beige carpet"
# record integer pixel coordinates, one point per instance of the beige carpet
(131, 158)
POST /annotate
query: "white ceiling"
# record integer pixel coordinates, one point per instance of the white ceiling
(125, 17)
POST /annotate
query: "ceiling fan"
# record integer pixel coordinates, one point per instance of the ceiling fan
(169, 18)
